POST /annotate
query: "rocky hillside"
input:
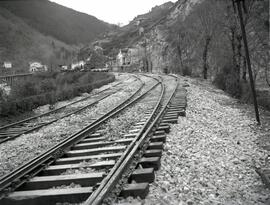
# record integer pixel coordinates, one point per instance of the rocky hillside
(157, 36)
(202, 38)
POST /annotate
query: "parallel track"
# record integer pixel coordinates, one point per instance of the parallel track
(122, 170)
(14, 130)
(19, 176)
(100, 166)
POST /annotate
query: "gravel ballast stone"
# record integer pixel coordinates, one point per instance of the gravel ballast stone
(211, 155)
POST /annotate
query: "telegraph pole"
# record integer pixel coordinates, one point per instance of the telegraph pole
(239, 8)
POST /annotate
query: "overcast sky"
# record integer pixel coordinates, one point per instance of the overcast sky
(112, 11)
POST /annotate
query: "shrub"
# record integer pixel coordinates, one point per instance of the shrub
(187, 71)
(45, 89)
(228, 80)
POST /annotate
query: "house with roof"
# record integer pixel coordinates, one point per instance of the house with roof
(37, 67)
(7, 64)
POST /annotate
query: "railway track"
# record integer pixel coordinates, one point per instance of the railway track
(87, 167)
(14, 130)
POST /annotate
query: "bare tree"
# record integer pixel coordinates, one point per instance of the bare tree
(204, 18)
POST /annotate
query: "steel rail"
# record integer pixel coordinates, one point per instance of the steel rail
(54, 111)
(52, 121)
(21, 174)
(50, 112)
(115, 174)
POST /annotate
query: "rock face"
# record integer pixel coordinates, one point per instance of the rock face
(157, 40)
(161, 48)
(161, 53)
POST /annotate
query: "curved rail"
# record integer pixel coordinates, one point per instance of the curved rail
(14, 130)
(116, 173)
(21, 174)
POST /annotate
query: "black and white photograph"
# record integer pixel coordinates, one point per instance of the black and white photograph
(134, 102)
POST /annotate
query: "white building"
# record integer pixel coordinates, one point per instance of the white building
(7, 64)
(121, 58)
(79, 64)
(37, 67)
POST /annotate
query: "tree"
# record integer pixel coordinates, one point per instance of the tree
(203, 21)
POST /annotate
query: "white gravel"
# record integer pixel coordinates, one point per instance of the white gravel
(18, 151)
(210, 156)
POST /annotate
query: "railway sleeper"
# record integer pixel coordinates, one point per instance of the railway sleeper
(155, 145)
(166, 128)
(101, 144)
(179, 112)
(74, 160)
(137, 126)
(90, 140)
(85, 152)
(159, 132)
(158, 138)
(138, 183)
(153, 153)
(135, 190)
(59, 169)
(48, 196)
(134, 131)
(94, 135)
(148, 162)
(170, 121)
(142, 175)
(170, 117)
(177, 107)
(47, 182)
(140, 123)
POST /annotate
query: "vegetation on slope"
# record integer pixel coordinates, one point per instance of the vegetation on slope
(47, 88)
(21, 44)
(209, 42)
(52, 19)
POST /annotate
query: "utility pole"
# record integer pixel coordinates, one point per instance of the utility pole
(241, 4)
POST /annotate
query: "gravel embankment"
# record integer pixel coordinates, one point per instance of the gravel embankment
(116, 128)
(16, 152)
(210, 156)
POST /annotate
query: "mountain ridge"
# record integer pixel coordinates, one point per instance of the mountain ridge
(27, 34)
(63, 23)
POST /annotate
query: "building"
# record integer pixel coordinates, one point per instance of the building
(79, 64)
(7, 64)
(128, 59)
(37, 67)
(121, 57)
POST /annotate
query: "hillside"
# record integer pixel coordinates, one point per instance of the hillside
(52, 19)
(128, 35)
(20, 44)
(202, 38)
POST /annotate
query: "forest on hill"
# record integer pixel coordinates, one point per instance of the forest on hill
(21, 44)
(44, 31)
(202, 38)
(62, 23)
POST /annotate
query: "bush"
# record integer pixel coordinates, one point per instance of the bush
(264, 99)
(263, 96)
(187, 71)
(228, 80)
(41, 90)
